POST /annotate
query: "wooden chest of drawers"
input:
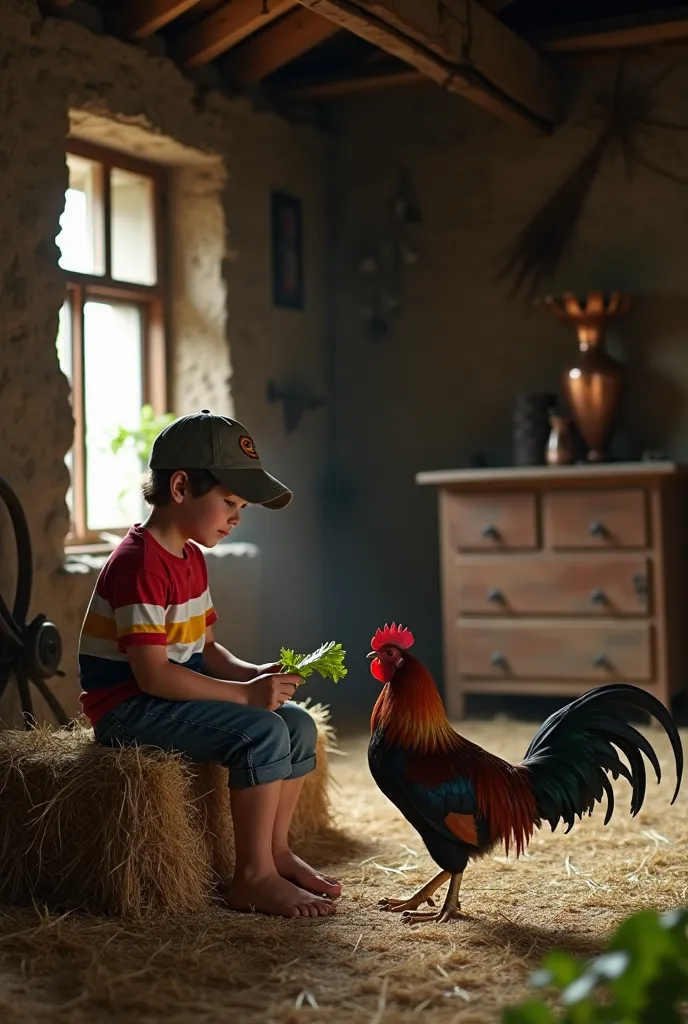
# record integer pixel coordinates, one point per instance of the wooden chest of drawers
(555, 580)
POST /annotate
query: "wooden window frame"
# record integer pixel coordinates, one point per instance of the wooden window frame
(153, 301)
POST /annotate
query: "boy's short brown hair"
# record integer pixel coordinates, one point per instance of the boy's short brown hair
(156, 489)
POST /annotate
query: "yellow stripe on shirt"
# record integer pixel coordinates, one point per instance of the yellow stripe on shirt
(142, 627)
(186, 632)
(100, 627)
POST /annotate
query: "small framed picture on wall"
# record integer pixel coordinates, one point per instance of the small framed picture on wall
(287, 251)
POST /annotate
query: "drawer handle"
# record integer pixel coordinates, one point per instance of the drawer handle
(600, 661)
(495, 596)
(598, 529)
(490, 532)
(598, 597)
(498, 659)
(640, 585)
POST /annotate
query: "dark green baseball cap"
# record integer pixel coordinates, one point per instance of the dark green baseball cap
(223, 446)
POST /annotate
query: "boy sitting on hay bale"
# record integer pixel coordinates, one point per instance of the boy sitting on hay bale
(152, 673)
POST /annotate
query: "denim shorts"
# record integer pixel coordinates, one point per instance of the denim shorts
(257, 746)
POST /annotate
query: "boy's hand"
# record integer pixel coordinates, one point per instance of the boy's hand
(271, 690)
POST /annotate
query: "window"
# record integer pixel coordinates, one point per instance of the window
(111, 337)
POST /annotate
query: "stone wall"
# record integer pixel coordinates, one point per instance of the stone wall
(49, 68)
(441, 385)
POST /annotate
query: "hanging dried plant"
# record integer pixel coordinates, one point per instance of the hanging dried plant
(626, 112)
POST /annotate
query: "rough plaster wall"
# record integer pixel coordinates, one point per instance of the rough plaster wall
(128, 136)
(200, 356)
(234, 576)
(284, 345)
(441, 385)
(47, 68)
(35, 418)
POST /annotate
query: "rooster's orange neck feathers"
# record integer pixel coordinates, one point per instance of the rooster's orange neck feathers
(411, 712)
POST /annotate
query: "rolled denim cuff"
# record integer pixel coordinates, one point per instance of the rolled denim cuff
(244, 778)
(301, 768)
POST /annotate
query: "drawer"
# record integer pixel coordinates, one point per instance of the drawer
(553, 586)
(490, 521)
(585, 651)
(596, 519)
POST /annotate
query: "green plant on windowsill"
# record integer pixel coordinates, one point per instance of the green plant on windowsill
(141, 438)
(640, 978)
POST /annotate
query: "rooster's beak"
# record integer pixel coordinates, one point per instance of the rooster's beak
(373, 654)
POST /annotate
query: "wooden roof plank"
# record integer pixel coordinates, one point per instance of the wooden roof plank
(277, 45)
(617, 36)
(138, 19)
(225, 28)
(496, 6)
(53, 6)
(347, 83)
(461, 46)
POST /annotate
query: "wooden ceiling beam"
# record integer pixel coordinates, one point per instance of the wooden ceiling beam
(54, 6)
(496, 6)
(138, 19)
(226, 28)
(617, 35)
(277, 45)
(349, 83)
(595, 60)
(461, 46)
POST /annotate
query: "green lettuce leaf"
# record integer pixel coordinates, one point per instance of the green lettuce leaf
(328, 660)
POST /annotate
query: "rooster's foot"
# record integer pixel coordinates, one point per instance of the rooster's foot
(404, 906)
(442, 916)
(450, 908)
(423, 895)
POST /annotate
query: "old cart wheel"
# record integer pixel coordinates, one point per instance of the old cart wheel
(29, 652)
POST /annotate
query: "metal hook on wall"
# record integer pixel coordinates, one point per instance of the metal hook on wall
(294, 404)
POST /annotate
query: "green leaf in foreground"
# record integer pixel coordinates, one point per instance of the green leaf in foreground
(529, 1013)
(640, 978)
(328, 660)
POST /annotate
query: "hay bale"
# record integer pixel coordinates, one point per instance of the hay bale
(131, 831)
(313, 814)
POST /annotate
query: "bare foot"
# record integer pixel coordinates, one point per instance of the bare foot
(273, 894)
(296, 870)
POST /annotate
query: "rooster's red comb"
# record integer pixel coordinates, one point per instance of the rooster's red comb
(398, 636)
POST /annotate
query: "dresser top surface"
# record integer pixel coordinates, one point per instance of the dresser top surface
(610, 471)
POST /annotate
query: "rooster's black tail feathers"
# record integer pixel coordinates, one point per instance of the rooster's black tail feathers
(576, 747)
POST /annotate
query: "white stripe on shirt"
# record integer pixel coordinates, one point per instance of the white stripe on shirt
(139, 615)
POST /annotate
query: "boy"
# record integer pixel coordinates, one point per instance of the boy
(153, 674)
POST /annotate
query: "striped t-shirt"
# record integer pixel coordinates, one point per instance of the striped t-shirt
(144, 595)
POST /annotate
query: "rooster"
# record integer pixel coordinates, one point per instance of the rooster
(463, 801)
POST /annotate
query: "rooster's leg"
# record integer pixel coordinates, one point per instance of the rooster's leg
(423, 895)
(450, 907)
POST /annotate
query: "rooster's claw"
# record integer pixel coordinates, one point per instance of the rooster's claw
(441, 916)
(404, 906)
(423, 895)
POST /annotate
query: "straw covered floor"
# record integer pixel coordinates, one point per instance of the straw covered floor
(362, 966)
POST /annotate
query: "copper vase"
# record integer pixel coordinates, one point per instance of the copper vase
(592, 384)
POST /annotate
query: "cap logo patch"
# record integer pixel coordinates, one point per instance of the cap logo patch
(248, 447)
